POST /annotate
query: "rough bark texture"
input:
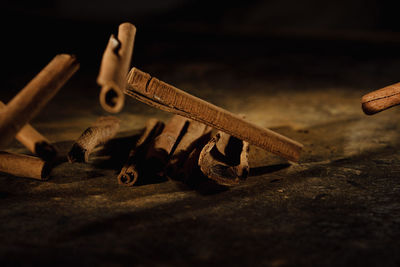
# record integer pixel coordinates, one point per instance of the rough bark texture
(99, 133)
(161, 95)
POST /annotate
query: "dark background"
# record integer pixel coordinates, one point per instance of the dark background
(33, 31)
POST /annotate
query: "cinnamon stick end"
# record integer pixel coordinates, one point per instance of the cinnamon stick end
(45, 151)
(77, 154)
(128, 178)
(111, 98)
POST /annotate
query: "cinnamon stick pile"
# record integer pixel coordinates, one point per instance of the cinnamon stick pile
(201, 139)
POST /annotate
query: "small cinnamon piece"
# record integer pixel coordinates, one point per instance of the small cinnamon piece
(114, 68)
(24, 166)
(34, 141)
(163, 145)
(156, 93)
(99, 133)
(381, 99)
(31, 100)
(225, 159)
(130, 171)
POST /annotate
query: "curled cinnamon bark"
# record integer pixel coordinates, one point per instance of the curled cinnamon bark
(130, 171)
(114, 68)
(225, 159)
(99, 133)
(34, 141)
(35, 95)
(24, 166)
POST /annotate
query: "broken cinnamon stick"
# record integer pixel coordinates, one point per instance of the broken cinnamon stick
(31, 100)
(192, 136)
(99, 133)
(114, 68)
(24, 166)
(130, 171)
(163, 145)
(156, 93)
(381, 99)
(225, 159)
(34, 141)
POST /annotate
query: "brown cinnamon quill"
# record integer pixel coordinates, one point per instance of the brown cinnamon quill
(163, 145)
(381, 99)
(114, 68)
(156, 93)
(34, 141)
(24, 166)
(129, 174)
(31, 100)
(99, 133)
(193, 136)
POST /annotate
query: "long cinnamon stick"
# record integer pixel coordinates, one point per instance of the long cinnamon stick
(114, 68)
(156, 93)
(24, 166)
(34, 141)
(225, 159)
(163, 145)
(129, 174)
(381, 99)
(99, 133)
(30, 100)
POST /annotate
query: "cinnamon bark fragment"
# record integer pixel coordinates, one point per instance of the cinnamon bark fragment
(195, 134)
(381, 99)
(150, 90)
(24, 166)
(129, 174)
(99, 133)
(35, 95)
(163, 145)
(34, 141)
(114, 68)
(225, 159)
(190, 169)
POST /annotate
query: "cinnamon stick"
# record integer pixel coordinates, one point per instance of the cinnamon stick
(381, 99)
(34, 141)
(99, 133)
(225, 159)
(24, 166)
(190, 168)
(114, 68)
(163, 145)
(130, 171)
(31, 100)
(156, 93)
(193, 136)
